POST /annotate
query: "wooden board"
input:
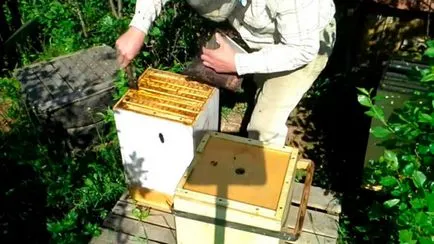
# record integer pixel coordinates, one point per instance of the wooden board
(239, 170)
(159, 227)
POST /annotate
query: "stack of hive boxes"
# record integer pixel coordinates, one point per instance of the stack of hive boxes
(159, 126)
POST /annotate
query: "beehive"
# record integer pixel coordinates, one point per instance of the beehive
(235, 191)
(158, 127)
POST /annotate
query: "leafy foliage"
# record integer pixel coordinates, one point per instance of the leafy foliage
(405, 171)
(76, 191)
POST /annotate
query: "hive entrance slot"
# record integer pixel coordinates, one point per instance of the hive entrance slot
(240, 171)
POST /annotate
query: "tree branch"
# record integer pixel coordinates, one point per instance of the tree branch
(120, 8)
(113, 8)
(83, 25)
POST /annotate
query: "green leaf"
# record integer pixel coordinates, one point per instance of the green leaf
(380, 132)
(390, 203)
(370, 113)
(136, 213)
(423, 150)
(418, 203)
(430, 201)
(363, 91)
(395, 193)
(422, 219)
(425, 118)
(408, 169)
(429, 52)
(426, 240)
(419, 179)
(431, 148)
(430, 43)
(379, 113)
(428, 77)
(405, 236)
(402, 206)
(146, 54)
(388, 181)
(88, 182)
(391, 157)
(364, 100)
(155, 32)
(361, 229)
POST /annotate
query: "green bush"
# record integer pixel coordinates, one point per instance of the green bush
(75, 192)
(405, 171)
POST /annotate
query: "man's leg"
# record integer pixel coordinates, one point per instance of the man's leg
(279, 93)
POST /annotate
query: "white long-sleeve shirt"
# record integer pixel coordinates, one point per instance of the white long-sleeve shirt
(285, 32)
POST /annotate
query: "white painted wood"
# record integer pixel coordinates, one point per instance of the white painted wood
(219, 208)
(194, 232)
(152, 164)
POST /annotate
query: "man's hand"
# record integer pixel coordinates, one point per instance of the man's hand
(128, 45)
(222, 60)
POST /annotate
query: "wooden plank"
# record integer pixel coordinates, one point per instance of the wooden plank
(140, 229)
(309, 238)
(315, 222)
(155, 217)
(49, 77)
(108, 236)
(159, 227)
(318, 198)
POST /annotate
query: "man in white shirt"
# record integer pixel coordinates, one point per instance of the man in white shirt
(292, 39)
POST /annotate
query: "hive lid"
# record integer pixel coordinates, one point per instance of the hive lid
(167, 95)
(241, 170)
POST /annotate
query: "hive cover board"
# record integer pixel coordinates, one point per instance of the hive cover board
(230, 168)
(168, 96)
(55, 83)
(68, 92)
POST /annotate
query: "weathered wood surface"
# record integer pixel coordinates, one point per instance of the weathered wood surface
(122, 227)
(68, 92)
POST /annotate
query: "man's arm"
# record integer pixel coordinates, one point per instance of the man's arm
(299, 28)
(128, 45)
(146, 12)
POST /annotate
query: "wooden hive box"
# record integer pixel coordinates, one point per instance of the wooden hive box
(66, 93)
(159, 126)
(236, 191)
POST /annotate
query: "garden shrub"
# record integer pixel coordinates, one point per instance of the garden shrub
(405, 171)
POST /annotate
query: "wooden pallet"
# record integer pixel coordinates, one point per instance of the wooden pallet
(121, 226)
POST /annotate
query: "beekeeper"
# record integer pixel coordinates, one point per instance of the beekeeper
(292, 39)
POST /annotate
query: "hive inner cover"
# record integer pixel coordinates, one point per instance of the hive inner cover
(240, 172)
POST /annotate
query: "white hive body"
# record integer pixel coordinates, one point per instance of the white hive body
(160, 125)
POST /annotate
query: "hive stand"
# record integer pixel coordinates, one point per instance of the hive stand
(122, 226)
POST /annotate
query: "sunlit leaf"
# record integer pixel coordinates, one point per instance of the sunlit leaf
(363, 91)
(418, 203)
(429, 52)
(391, 203)
(419, 179)
(405, 236)
(388, 181)
(364, 100)
(380, 132)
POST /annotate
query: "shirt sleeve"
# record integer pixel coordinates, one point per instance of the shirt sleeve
(299, 31)
(146, 12)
